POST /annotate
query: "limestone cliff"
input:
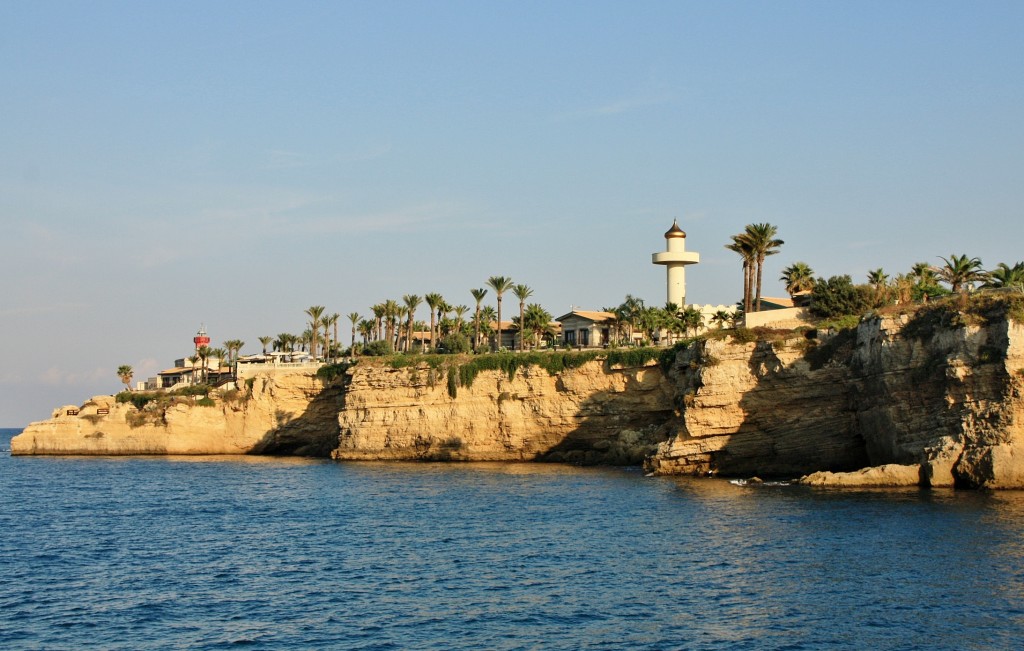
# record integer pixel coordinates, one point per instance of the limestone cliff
(939, 389)
(278, 413)
(934, 393)
(591, 414)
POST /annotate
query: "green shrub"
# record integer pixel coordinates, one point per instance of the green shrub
(378, 348)
(206, 401)
(838, 296)
(328, 373)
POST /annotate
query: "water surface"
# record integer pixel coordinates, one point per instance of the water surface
(222, 552)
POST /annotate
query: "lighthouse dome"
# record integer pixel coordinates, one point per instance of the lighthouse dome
(675, 231)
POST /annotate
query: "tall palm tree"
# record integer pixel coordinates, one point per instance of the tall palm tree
(354, 318)
(522, 292)
(314, 312)
(367, 329)
(125, 372)
(412, 301)
(379, 311)
(433, 301)
(478, 296)
(333, 321)
(204, 355)
(960, 272)
(693, 319)
(500, 285)
(763, 243)
(266, 341)
(799, 277)
(742, 246)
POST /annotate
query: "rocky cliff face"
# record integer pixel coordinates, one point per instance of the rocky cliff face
(939, 391)
(591, 414)
(936, 395)
(284, 413)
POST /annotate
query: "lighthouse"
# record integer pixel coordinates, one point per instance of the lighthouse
(675, 257)
(201, 339)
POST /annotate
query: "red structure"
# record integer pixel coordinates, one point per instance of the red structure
(201, 339)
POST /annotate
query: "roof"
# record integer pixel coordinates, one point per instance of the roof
(596, 317)
(178, 370)
(778, 302)
(675, 231)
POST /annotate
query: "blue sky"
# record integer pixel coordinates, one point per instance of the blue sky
(164, 165)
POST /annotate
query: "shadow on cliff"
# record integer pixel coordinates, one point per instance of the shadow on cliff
(612, 430)
(312, 433)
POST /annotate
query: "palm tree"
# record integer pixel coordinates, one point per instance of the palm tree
(433, 301)
(960, 272)
(742, 246)
(478, 295)
(412, 301)
(799, 277)
(522, 292)
(460, 315)
(721, 317)
(204, 355)
(763, 243)
(315, 312)
(378, 314)
(878, 278)
(354, 318)
(484, 319)
(923, 273)
(537, 321)
(500, 285)
(332, 321)
(266, 341)
(693, 319)
(125, 372)
(1006, 276)
(367, 329)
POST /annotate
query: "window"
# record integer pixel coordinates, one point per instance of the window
(570, 337)
(584, 337)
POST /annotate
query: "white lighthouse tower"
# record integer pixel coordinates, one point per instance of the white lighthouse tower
(675, 257)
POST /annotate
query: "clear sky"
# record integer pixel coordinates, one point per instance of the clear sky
(166, 165)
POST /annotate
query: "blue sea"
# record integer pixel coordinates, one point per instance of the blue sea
(276, 553)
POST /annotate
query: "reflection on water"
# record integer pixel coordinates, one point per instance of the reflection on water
(207, 552)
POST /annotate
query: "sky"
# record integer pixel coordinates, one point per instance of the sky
(229, 164)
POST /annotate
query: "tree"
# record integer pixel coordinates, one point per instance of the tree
(478, 296)
(721, 318)
(434, 301)
(500, 285)
(1006, 276)
(960, 272)
(838, 296)
(354, 318)
(125, 372)
(484, 319)
(522, 292)
(266, 341)
(331, 321)
(763, 243)
(314, 312)
(742, 246)
(378, 316)
(693, 319)
(799, 277)
(412, 301)
(537, 321)
(204, 356)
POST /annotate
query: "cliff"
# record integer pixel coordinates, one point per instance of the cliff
(277, 413)
(937, 389)
(933, 393)
(590, 414)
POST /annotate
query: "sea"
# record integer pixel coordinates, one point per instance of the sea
(284, 553)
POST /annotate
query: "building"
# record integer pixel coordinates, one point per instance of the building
(675, 258)
(586, 329)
